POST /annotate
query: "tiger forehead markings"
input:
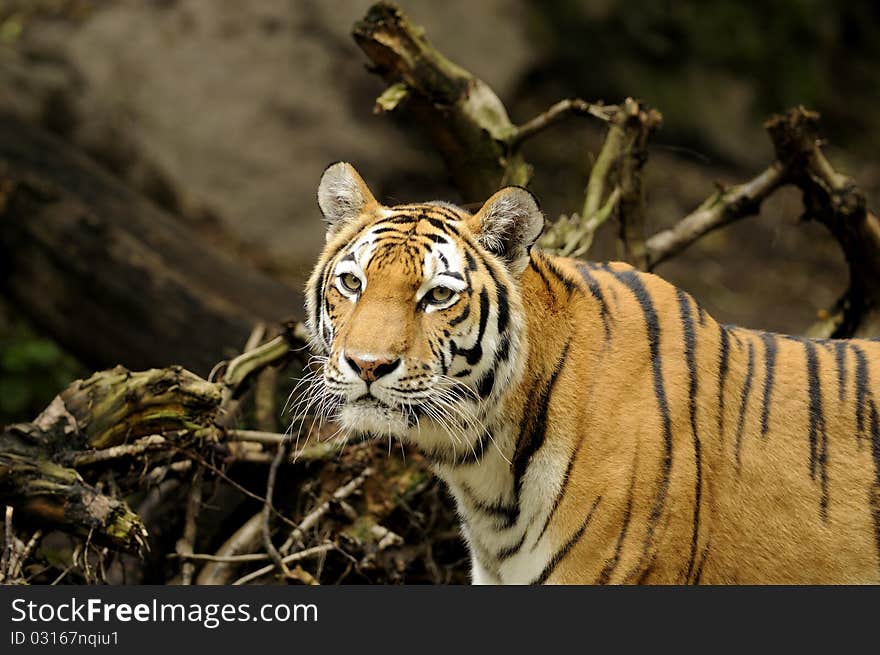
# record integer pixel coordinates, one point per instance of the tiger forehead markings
(592, 422)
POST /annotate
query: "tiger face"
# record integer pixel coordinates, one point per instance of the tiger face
(415, 311)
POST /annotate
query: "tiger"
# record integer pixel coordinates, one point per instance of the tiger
(592, 422)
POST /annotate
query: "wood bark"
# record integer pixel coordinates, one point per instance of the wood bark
(107, 413)
(834, 200)
(111, 277)
(460, 114)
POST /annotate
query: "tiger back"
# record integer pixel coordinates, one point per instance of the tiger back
(592, 422)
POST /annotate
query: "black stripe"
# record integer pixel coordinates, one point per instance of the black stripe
(875, 452)
(699, 574)
(565, 478)
(723, 364)
(436, 222)
(502, 301)
(503, 305)
(318, 300)
(510, 551)
(383, 230)
(840, 359)
(612, 562)
(503, 350)
(563, 279)
(596, 292)
(473, 455)
(690, 352)
(401, 219)
(446, 213)
(504, 513)
(818, 435)
(533, 431)
(632, 280)
(475, 353)
(461, 317)
(437, 351)
(732, 331)
(469, 259)
(562, 552)
(747, 389)
(320, 297)
(861, 387)
(769, 375)
(486, 384)
(540, 273)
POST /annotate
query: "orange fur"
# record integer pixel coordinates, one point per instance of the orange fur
(611, 431)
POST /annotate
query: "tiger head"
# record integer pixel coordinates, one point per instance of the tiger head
(415, 312)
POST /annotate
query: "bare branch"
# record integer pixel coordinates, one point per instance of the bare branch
(723, 208)
(558, 112)
(288, 559)
(618, 167)
(267, 509)
(222, 559)
(315, 515)
(835, 201)
(459, 113)
(241, 544)
(186, 544)
(637, 122)
(139, 447)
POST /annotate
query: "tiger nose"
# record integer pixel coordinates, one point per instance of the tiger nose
(371, 369)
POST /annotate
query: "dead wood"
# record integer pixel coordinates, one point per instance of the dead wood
(110, 276)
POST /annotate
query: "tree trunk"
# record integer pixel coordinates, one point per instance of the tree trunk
(111, 277)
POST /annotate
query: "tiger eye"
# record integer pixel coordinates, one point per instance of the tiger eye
(439, 295)
(350, 281)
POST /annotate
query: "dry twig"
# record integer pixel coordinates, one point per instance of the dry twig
(315, 515)
(287, 559)
(186, 544)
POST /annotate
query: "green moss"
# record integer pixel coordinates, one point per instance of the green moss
(33, 369)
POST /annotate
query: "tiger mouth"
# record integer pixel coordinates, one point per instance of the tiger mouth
(369, 400)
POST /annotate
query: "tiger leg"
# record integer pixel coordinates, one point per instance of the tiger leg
(479, 574)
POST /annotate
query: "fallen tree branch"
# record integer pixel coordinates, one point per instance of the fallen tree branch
(58, 497)
(722, 208)
(110, 276)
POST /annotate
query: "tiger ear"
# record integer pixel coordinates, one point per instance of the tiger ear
(508, 224)
(342, 196)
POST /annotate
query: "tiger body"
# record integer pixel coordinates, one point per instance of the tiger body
(592, 422)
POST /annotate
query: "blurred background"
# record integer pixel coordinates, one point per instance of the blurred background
(225, 113)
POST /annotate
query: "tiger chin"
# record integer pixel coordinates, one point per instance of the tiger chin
(592, 422)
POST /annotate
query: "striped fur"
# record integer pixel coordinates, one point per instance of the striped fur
(593, 423)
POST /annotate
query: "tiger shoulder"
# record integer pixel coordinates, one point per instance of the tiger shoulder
(593, 423)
